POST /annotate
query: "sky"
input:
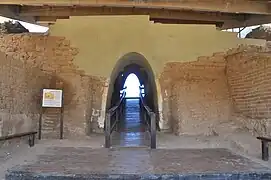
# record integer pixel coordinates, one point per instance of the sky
(132, 84)
(30, 27)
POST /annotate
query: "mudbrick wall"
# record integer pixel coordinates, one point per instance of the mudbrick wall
(196, 95)
(226, 92)
(19, 86)
(32, 62)
(249, 78)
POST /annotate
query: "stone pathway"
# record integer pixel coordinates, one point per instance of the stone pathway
(131, 132)
(11, 156)
(139, 163)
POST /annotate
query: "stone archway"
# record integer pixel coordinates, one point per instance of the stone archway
(133, 63)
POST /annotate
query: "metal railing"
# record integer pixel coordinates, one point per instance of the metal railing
(150, 118)
(113, 116)
(115, 113)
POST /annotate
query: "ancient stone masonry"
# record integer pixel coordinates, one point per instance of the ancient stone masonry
(197, 93)
(198, 97)
(229, 90)
(32, 62)
(249, 81)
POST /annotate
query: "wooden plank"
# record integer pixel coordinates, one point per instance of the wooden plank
(49, 19)
(152, 12)
(264, 139)
(240, 6)
(17, 135)
(250, 21)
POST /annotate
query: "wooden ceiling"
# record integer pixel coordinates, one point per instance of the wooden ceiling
(223, 13)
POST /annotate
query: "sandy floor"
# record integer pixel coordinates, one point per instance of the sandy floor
(240, 143)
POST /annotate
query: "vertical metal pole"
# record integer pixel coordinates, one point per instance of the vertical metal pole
(265, 153)
(140, 110)
(120, 111)
(61, 121)
(124, 107)
(107, 130)
(117, 117)
(62, 116)
(41, 112)
(145, 117)
(40, 122)
(153, 131)
(117, 114)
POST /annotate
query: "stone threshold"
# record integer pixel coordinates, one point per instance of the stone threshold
(20, 175)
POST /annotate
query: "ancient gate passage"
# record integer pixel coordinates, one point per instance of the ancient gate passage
(131, 121)
(133, 125)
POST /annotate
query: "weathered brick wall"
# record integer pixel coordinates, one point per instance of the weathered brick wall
(196, 95)
(34, 62)
(226, 92)
(20, 89)
(249, 81)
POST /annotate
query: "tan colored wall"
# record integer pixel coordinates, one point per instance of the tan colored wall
(20, 86)
(34, 62)
(104, 40)
(79, 56)
(196, 95)
(250, 88)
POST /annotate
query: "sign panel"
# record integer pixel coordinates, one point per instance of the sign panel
(51, 98)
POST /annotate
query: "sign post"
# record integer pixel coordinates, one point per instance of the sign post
(52, 98)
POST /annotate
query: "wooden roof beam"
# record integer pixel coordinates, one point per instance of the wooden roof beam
(12, 13)
(153, 13)
(229, 6)
(251, 21)
(184, 21)
(49, 19)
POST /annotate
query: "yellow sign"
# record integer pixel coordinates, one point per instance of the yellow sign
(49, 95)
(52, 98)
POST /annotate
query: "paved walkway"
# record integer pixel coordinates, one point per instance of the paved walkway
(11, 156)
(139, 163)
(132, 131)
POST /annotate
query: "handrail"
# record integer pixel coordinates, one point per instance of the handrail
(108, 128)
(113, 109)
(117, 110)
(31, 137)
(152, 124)
(148, 109)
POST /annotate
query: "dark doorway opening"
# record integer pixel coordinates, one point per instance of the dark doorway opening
(133, 76)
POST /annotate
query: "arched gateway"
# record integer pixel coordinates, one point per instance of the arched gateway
(120, 130)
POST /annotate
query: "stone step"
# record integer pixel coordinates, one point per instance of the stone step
(171, 176)
(132, 131)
